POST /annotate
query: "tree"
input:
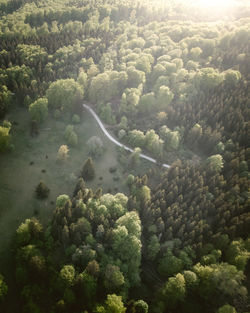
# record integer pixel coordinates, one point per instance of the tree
(169, 264)
(107, 115)
(65, 94)
(134, 158)
(237, 254)
(141, 306)
(174, 290)
(61, 200)
(62, 154)
(127, 248)
(232, 77)
(135, 77)
(132, 222)
(195, 53)
(215, 162)
(226, 309)
(95, 146)
(93, 268)
(153, 248)
(114, 278)
(3, 288)
(114, 304)
(88, 171)
(30, 229)
(88, 285)
(220, 279)
(42, 191)
(5, 100)
(67, 275)
(71, 136)
(4, 138)
(207, 78)
(147, 103)
(164, 97)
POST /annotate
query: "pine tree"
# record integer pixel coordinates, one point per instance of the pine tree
(88, 171)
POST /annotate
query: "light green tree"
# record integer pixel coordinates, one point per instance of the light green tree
(4, 138)
(226, 309)
(64, 94)
(132, 222)
(39, 110)
(174, 290)
(215, 162)
(114, 278)
(164, 97)
(114, 304)
(67, 274)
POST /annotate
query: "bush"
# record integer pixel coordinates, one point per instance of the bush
(42, 191)
(76, 119)
(39, 110)
(71, 136)
(62, 154)
(95, 146)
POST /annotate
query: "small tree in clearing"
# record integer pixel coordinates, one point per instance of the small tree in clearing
(42, 191)
(88, 171)
(62, 154)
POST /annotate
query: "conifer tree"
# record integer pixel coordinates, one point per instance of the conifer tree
(88, 171)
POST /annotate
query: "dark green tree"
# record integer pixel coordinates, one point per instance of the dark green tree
(88, 171)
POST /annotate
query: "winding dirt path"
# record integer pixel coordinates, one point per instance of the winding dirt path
(116, 142)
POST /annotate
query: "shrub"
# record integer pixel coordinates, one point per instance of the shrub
(42, 191)
(75, 119)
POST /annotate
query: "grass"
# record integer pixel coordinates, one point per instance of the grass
(34, 159)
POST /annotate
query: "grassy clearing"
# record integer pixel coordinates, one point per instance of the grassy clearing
(34, 159)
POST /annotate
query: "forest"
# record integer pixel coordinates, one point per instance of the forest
(89, 227)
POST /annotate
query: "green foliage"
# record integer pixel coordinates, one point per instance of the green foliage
(39, 110)
(114, 304)
(114, 279)
(67, 275)
(76, 119)
(175, 71)
(207, 78)
(164, 97)
(153, 247)
(3, 288)
(226, 309)
(174, 290)
(237, 254)
(4, 138)
(132, 223)
(62, 154)
(215, 162)
(42, 191)
(95, 146)
(107, 115)
(169, 264)
(64, 94)
(61, 200)
(5, 100)
(223, 279)
(141, 306)
(71, 136)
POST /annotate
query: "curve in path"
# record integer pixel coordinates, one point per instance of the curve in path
(116, 142)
